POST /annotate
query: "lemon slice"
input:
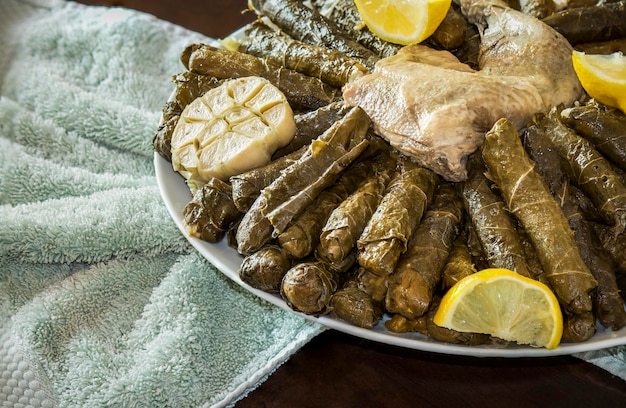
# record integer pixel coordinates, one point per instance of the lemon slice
(504, 304)
(403, 21)
(231, 129)
(603, 77)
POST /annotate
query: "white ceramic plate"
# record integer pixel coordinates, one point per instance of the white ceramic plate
(176, 195)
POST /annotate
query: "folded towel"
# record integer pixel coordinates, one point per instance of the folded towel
(102, 300)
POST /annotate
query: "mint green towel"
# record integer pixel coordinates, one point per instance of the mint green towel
(102, 300)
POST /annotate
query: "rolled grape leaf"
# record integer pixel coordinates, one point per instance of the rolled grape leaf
(374, 285)
(459, 264)
(588, 169)
(309, 26)
(598, 22)
(308, 287)
(604, 127)
(495, 229)
(302, 236)
(247, 186)
(412, 285)
(475, 247)
(162, 139)
(541, 150)
(346, 16)
(310, 125)
(302, 92)
(299, 184)
(191, 85)
(534, 264)
(603, 47)
(468, 53)
(353, 305)
(450, 33)
(329, 66)
(361, 301)
(400, 324)
(578, 327)
(608, 305)
(265, 269)
(346, 223)
(607, 300)
(529, 199)
(615, 245)
(211, 212)
(387, 233)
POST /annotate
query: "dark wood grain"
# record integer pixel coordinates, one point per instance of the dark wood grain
(215, 18)
(338, 370)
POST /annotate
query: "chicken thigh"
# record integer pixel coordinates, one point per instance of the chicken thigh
(436, 109)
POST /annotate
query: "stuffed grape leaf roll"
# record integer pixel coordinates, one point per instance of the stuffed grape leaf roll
(591, 171)
(459, 264)
(529, 199)
(303, 92)
(578, 327)
(329, 66)
(265, 268)
(493, 226)
(302, 236)
(211, 212)
(347, 222)
(355, 306)
(309, 286)
(413, 283)
(246, 187)
(598, 22)
(387, 233)
(310, 125)
(608, 304)
(361, 301)
(603, 126)
(346, 16)
(308, 25)
(298, 185)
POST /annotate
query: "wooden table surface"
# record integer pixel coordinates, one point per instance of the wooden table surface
(339, 370)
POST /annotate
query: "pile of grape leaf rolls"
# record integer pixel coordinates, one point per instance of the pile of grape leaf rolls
(341, 223)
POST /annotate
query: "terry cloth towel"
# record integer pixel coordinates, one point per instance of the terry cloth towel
(102, 300)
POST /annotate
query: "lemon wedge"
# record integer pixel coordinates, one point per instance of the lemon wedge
(403, 21)
(603, 77)
(504, 304)
(231, 129)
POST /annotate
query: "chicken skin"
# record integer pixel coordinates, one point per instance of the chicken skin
(434, 108)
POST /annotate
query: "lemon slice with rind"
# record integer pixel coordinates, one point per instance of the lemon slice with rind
(503, 304)
(403, 21)
(603, 77)
(231, 129)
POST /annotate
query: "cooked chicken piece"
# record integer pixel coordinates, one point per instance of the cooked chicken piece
(517, 45)
(436, 109)
(438, 114)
